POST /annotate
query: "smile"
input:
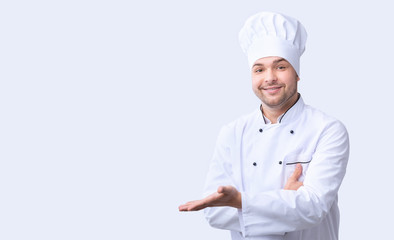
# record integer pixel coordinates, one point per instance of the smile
(272, 89)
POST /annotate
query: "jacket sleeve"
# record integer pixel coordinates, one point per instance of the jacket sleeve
(281, 211)
(220, 174)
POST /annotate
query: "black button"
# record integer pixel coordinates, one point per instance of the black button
(291, 131)
(260, 130)
(280, 162)
(254, 164)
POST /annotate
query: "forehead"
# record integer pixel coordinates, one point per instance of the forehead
(269, 60)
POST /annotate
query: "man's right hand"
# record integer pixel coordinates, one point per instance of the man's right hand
(225, 196)
(293, 183)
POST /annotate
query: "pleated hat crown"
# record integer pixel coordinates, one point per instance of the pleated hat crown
(268, 34)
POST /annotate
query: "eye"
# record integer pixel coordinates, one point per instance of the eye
(258, 70)
(281, 67)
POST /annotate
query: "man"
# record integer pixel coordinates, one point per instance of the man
(275, 173)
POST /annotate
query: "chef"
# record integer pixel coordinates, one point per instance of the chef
(275, 173)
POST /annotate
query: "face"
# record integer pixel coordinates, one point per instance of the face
(274, 81)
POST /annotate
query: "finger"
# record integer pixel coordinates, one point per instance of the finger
(225, 189)
(182, 208)
(221, 189)
(191, 206)
(297, 172)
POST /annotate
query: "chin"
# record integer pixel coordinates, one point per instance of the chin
(271, 102)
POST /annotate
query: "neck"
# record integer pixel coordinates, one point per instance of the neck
(273, 113)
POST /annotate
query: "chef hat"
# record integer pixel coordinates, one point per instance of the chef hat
(271, 34)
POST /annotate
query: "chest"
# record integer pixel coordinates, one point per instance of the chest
(270, 153)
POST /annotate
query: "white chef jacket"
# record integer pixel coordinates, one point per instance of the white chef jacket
(258, 157)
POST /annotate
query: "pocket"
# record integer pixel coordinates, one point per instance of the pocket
(292, 160)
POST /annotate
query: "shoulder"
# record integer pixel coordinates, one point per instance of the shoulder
(317, 115)
(236, 127)
(325, 122)
(242, 121)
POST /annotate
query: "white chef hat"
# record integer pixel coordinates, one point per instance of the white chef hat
(272, 34)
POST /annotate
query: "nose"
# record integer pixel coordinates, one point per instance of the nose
(270, 76)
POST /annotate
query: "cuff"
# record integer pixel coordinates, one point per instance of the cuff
(241, 213)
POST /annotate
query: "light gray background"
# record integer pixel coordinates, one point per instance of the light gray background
(109, 110)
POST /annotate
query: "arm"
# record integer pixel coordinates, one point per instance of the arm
(229, 196)
(280, 211)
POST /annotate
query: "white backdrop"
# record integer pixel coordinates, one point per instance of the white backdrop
(109, 110)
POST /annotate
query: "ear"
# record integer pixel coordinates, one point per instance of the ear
(298, 78)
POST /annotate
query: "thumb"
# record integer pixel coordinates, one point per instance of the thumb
(224, 189)
(297, 172)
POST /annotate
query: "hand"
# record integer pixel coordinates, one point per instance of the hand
(293, 183)
(225, 196)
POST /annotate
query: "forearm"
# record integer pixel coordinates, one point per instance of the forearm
(223, 218)
(278, 212)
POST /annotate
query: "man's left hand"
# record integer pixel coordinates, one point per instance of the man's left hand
(293, 183)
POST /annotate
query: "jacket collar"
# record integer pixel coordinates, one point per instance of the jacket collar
(291, 114)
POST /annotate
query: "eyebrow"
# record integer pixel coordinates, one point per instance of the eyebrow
(274, 62)
(279, 60)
